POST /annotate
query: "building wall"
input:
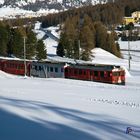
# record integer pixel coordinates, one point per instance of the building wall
(136, 14)
(127, 20)
(47, 70)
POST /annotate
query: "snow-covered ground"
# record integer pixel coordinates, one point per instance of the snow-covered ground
(11, 13)
(63, 109)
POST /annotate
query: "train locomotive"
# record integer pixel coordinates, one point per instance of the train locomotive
(48, 69)
(99, 73)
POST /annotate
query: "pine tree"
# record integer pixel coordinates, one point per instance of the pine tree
(40, 50)
(60, 50)
(113, 47)
(3, 40)
(69, 36)
(10, 41)
(17, 43)
(31, 41)
(87, 43)
(101, 35)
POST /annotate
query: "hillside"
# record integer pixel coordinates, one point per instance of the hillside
(100, 55)
(35, 8)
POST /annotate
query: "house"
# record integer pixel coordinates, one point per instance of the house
(135, 18)
(127, 20)
(136, 15)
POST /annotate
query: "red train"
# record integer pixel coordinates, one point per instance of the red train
(15, 66)
(100, 73)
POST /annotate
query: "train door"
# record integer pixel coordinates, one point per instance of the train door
(95, 75)
(122, 74)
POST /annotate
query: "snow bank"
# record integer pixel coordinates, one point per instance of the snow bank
(6, 75)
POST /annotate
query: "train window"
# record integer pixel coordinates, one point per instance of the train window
(66, 70)
(35, 67)
(14, 65)
(102, 73)
(108, 74)
(95, 73)
(80, 72)
(70, 71)
(91, 73)
(47, 68)
(56, 69)
(62, 69)
(8, 65)
(51, 69)
(76, 72)
(84, 72)
(18, 67)
(40, 68)
(116, 74)
(122, 73)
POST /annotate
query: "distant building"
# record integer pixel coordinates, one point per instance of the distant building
(127, 20)
(135, 18)
(136, 15)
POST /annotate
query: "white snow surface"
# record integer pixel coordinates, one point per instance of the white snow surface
(64, 109)
(67, 109)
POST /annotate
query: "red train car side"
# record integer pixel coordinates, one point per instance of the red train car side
(99, 73)
(14, 67)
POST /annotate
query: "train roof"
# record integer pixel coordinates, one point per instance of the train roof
(96, 66)
(49, 61)
(75, 63)
(13, 59)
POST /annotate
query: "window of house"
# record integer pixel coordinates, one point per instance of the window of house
(62, 69)
(35, 67)
(40, 68)
(56, 69)
(51, 69)
(48, 68)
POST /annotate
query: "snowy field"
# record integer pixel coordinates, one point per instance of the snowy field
(52, 109)
(62, 109)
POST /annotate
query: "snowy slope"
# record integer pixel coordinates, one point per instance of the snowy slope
(100, 55)
(63, 109)
(36, 8)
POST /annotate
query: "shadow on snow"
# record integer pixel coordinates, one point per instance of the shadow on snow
(96, 126)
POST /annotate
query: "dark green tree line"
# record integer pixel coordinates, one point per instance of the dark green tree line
(80, 36)
(12, 42)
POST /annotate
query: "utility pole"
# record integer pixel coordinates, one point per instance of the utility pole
(79, 48)
(25, 69)
(129, 56)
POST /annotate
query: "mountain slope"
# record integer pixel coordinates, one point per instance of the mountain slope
(36, 5)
